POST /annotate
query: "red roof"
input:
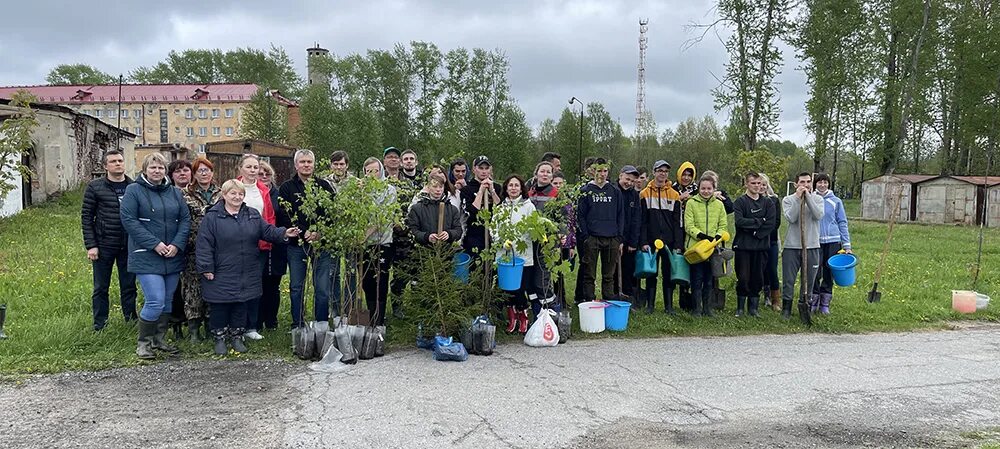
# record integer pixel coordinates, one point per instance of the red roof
(915, 179)
(145, 93)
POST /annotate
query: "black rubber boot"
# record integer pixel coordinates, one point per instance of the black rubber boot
(706, 303)
(219, 335)
(638, 300)
(160, 337)
(651, 299)
(753, 303)
(696, 303)
(786, 309)
(236, 339)
(194, 325)
(668, 302)
(3, 318)
(144, 349)
(740, 301)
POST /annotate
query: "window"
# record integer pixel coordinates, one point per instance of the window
(203, 113)
(229, 130)
(229, 113)
(202, 131)
(215, 113)
(201, 148)
(189, 113)
(98, 113)
(112, 113)
(177, 111)
(124, 113)
(137, 113)
(216, 131)
(85, 111)
(190, 132)
(138, 131)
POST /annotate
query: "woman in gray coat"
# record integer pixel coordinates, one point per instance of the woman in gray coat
(230, 263)
(157, 220)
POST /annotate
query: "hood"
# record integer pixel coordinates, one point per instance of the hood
(828, 194)
(425, 197)
(163, 185)
(547, 190)
(699, 199)
(660, 191)
(381, 169)
(686, 165)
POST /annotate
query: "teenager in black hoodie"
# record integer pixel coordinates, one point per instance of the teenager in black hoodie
(755, 217)
(625, 274)
(600, 229)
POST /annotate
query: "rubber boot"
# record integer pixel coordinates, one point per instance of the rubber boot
(651, 299)
(511, 319)
(144, 349)
(668, 302)
(219, 335)
(813, 302)
(160, 337)
(740, 302)
(522, 319)
(776, 300)
(194, 324)
(786, 309)
(178, 332)
(696, 302)
(236, 339)
(824, 303)
(706, 303)
(3, 317)
(752, 303)
(639, 300)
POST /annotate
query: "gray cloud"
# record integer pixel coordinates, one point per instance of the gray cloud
(557, 49)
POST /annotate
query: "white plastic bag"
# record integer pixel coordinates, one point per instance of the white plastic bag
(330, 362)
(543, 332)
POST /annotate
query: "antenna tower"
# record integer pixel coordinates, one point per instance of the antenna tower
(640, 99)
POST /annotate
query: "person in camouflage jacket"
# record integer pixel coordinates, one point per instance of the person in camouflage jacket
(199, 195)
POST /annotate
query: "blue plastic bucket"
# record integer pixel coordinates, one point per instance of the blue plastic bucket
(842, 268)
(509, 274)
(461, 272)
(616, 315)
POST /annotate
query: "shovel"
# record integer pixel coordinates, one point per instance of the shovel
(874, 295)
(804, 287)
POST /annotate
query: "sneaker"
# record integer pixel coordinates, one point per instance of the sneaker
(253, 335)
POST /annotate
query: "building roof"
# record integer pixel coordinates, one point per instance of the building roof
(65, 110)
(144, 93)
(978, 180)
(912, 179)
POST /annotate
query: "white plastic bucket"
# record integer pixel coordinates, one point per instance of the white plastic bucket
(963, 301)
(982, 301)
(592, 317)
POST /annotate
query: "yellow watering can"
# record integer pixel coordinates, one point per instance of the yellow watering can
(701, 251)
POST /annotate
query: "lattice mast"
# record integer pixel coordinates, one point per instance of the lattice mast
(640, 98)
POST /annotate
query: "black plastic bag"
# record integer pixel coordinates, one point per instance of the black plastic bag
(345, 345)
(565, 324)
(367, 351)
(467, 339)
(357, 336)
(483, 338)
(448, 350)
(320, 328)
(304, 341)
(380, 343)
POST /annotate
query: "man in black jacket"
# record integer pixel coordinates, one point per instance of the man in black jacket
(625, 272)
(600, 229)
(106, 240)
(477, 194)
(291, 193)
(755, 218)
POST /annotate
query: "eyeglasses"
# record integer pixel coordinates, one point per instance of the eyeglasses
(204, 170)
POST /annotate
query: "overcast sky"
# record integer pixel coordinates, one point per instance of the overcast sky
(587, 49)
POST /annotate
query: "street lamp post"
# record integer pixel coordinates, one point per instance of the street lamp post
(580, 149)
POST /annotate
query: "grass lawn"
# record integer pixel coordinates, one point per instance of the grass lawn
(45, 279)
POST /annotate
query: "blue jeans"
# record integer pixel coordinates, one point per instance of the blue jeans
(297, 264)
(158, 291)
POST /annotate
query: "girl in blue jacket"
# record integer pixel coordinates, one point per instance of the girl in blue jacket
(833, 236)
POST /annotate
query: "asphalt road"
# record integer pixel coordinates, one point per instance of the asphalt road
(920, 389)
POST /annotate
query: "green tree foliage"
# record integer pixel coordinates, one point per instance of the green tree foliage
(15, 140)
(439, 104)
(272, 68)
(265, 119)
(74, 74)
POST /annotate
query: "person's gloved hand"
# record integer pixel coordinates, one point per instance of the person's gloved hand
(718, 237)
(702, 236)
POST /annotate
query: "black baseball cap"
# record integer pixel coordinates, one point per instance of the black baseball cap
(391, 150)
(480, 160)
(661, 163)
(628, 169)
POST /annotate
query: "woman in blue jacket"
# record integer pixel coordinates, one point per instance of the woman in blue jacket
(229, 261)
(157, 220)
(833, 237)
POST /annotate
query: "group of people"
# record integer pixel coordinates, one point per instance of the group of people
(214, 254)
